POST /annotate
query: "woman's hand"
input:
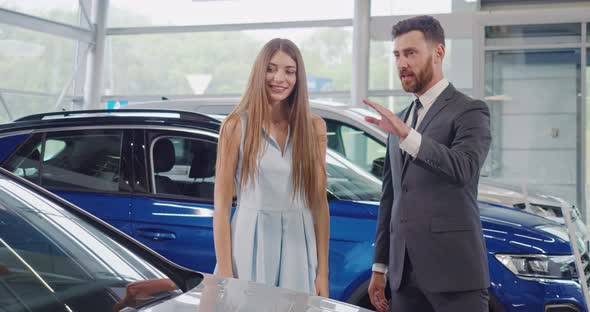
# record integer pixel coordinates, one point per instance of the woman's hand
(225, 273)
(321, 285)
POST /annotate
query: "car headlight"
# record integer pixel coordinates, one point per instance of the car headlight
(540, 266)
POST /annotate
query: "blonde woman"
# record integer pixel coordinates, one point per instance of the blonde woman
(271, 154)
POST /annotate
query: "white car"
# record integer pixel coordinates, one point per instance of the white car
(351, 136)
(57, 257)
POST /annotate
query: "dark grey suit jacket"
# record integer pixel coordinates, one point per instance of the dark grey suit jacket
(428, 204)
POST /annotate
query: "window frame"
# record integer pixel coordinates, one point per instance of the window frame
(151, 136)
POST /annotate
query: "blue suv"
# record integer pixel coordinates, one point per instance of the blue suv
(150, 173)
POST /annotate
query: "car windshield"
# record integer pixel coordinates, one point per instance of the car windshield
(51, 260)
(346, 181)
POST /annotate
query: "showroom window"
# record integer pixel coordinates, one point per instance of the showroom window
(532, 86)
(133, 13)
(39, 66)
(63, 11)
(418, 7)
(219, 63)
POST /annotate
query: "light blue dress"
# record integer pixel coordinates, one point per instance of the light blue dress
(273, 237)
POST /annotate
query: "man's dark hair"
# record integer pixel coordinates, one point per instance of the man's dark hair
(427, 25)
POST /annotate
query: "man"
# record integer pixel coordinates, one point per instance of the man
(429, 236)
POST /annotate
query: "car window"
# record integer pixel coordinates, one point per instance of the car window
(52, 149)
(25, 162)
(51, 260)
(73, 160)
(183, 166)
(355, 145)
(347, 181)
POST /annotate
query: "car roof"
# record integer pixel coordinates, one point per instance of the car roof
(113, 117)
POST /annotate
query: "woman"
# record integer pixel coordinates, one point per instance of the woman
(271, 154)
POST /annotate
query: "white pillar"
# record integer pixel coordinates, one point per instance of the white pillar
(95, 68)
(82, 49)
(360, 51)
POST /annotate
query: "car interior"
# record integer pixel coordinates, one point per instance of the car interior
(184, 167)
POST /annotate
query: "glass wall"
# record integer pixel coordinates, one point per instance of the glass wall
(416, 7)
(132, 13)
(215, 63)
(36, 67)
(64, 11)
(533, 98)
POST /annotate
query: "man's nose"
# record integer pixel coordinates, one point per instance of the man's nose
(402, 62)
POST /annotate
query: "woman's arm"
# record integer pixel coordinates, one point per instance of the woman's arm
(322, 212)
(225, 170)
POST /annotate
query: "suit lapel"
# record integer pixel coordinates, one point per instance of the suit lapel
(437, 106)
(440, 102)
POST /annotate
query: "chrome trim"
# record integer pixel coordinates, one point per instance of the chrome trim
(123, 127)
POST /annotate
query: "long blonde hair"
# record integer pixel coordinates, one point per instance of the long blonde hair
(255, 102)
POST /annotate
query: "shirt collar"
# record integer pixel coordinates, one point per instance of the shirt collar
(428, 98)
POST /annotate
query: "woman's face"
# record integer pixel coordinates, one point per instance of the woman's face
(281, 76)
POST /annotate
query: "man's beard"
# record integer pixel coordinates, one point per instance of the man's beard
(422, 78)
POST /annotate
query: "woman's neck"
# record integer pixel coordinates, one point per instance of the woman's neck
(279, 112)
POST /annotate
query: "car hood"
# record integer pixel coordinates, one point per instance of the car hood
(228, 294)
(511, 195)
(509, 230)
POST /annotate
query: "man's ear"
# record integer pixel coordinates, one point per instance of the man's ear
(439, 53)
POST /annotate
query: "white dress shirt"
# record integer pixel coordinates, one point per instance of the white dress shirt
(411, 144)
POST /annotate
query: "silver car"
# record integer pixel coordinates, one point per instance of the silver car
(57, 257)
(350, 136)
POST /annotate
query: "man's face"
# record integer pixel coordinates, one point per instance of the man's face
(414, 59)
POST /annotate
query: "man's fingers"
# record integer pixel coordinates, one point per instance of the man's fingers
(377, 298)
(372, 120)
(373, 105)
(378, 108)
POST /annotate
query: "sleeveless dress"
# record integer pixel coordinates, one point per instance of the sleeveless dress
(273, 237)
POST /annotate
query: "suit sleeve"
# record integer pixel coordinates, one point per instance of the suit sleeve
(461, 162)
(382, 235)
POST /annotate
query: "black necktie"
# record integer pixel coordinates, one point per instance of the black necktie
(417, 107)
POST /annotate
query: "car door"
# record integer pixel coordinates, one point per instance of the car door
(85, 167)
(173, 212)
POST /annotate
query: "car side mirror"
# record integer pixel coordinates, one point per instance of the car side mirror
(377, 167)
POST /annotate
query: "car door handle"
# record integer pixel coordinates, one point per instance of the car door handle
(156, 235)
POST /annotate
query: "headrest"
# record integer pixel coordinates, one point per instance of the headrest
(164, 157)
(204, 156)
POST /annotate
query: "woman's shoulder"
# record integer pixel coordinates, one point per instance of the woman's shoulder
(319, 124)
(232, 125)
